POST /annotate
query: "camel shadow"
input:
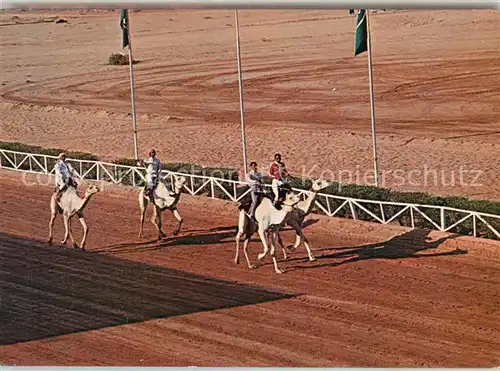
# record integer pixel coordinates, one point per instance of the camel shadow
(190, 239)
(309, 222)
(305, 224)
(199, 239)
(404, 246)
(216, 229)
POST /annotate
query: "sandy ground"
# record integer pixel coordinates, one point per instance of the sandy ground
(376, 295)
(436, 77)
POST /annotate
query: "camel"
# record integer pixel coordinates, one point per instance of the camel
(69, 205)
(303, 209)
(296, 220)
(269, 219)
(162, 201)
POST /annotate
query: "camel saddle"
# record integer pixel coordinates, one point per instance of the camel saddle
(247, 202)
(71, 183)
(167, 184)
(282, 190)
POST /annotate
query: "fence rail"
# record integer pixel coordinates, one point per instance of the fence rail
(384, 212)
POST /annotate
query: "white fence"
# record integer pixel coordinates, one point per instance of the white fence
(383, 212)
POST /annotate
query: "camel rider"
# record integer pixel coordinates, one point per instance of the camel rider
(153, 169)
(278, 174)
(64, 175)
(256, 181)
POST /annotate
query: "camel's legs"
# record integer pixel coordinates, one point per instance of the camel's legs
(162, 234)
(53, 214)
(301, 236)
(242, 230)
(66, 228)
(143, 205)
(273, 242)
(85, 230)
(263, 238)
(245, 251)
(179, 218)
(237, 254)
(249, 231)
(280, 241)
(156, 220)
(293, 247)
(71, 234)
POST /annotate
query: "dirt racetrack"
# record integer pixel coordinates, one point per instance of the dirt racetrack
(376, 296)
(436, 85)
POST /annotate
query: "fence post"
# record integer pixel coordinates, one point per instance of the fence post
(353, 211)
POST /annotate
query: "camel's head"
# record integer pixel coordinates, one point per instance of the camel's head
(91, 190)
(291, 199)
(319, 184)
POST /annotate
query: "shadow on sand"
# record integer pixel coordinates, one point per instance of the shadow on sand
(49, 291)
(407, 245)
(207, 238)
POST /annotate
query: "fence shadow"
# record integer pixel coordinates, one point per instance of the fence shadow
(406, 245)
(50, 291)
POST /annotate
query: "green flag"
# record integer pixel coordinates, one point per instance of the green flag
(361, 33)
(124, 27)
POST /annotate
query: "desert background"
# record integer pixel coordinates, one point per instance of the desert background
(436, 87)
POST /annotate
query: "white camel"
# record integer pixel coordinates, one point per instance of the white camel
(296, 219)
(162, 201)
(269, 219)
(69, 205)
(299, 213)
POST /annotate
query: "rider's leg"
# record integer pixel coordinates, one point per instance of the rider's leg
(150, 184)
(274, 186)
(61, 187)
(255, 199)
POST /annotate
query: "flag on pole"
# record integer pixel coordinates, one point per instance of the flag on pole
(361, 33)
(124, 27)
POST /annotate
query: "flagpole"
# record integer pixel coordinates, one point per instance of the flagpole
(132, 93)
(242, 115)
(370, 72)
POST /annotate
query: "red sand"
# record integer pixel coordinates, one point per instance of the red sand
(376, 296)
